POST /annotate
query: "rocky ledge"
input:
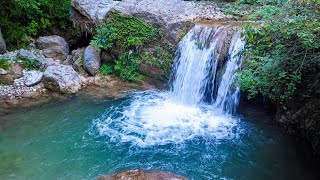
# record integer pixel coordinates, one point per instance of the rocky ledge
(171, 16)
(142, 175)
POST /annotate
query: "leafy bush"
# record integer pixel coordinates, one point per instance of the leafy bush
(125, 36)
(284, 53)
(22, 18)
(4, 64)
(106, 69)
(127, 67)
(31, 64)
(124, 32)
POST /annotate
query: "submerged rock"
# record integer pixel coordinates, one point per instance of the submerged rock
(54, 47)
(62, 78)
(3, 47)
(142, 175)
(31, 78)
(91, 60)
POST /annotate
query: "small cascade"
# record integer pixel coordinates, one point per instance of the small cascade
(204, 54)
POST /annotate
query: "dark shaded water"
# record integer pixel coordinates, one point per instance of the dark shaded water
(82, 138)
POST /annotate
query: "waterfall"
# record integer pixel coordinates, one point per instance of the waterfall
(195, 70)
(201, 101)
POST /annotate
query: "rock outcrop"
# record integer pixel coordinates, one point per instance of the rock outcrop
(11, 74)
(62, 78)
(76, 59)
(171, 16)
(31, 78)
(3, 47)
(91, 60)
(54, 47)
(142, 175)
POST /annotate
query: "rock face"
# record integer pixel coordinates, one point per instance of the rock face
(142, 175)
(61, 78)
(94, 9)
(54, 47)
(31, 78)
(172, 16)
(91, 60)
(3, 47)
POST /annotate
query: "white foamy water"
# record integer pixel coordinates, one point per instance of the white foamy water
(158, 118)
(152, 118)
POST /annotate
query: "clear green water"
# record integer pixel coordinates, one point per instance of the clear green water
(66, 140)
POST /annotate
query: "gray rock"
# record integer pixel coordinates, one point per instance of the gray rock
(46, 62)
(171, 16)
(61, 78)
(27, 55)
(77, 59)
(53, 47)
(3, 47)
(91, 60)
(31, 78)
(94, 9)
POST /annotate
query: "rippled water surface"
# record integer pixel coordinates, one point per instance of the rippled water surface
(82, 138)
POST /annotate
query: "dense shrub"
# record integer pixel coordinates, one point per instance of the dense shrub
(22, 18)
(283, 53)
(127, 36)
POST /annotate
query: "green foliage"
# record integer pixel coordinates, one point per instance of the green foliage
(283, 53)
(124, 32)
(127, 67)
(31, 64)
(106, 69)
(125, 36)
(22, 18)
(4, 64)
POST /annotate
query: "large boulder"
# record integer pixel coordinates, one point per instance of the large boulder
(91, 60)
(61, 78)
(31, 78)
(94, 9)
(173, 17)
(3, 47)
(54, 47)
(143, 175)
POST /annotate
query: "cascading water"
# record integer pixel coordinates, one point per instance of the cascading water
(196, 65)
(198, 105)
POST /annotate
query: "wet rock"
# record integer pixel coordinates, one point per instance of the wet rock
(155, 74)
(31, 78)
(62, 78)
(142, 175)
(54, 47)
(3, 47)
(91, 60)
